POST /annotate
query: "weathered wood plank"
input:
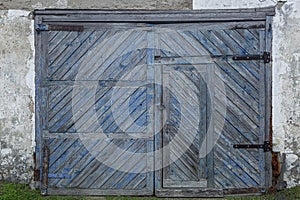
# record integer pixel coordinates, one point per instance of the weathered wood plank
(268, 98)
(210, 124)
(185, 184)
(156, 16)
(199, 192)
(98, 192)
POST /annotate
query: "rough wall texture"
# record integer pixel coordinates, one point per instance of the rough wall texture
(16, 96)
(216, 4)
(286, 88)
(17, 76)
(96, 4)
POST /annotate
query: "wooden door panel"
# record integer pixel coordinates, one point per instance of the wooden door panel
(184, 98)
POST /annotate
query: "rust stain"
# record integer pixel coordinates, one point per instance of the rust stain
(46, 155)
(271, 129)
(276, 170)
(36, 175)
(240, 191)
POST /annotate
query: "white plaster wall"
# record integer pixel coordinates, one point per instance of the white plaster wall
(286, 88)
(16, 95)
(286, 77)
(228, 4)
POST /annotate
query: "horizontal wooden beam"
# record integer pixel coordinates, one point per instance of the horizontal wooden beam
(194, 192)
(154, 16)
(135, 135)
(98, 192)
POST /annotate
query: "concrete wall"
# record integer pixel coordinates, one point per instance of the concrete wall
(286, 88)
(16, 95)
(93, 4)
(17, 76)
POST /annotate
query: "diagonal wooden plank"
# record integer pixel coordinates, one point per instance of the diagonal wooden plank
(112, 177)
(234, 132)
(71, 163)
(97, 52)
(82, 165)
(246, 39)
(170, 44)
(207, 43)
(236, 79)
(234, 91)
(63, 46)
(177, 41)
(52, 35)
(125, 63)
(64, 118)
(248, 157)
(252, 124)
(58, 152)
(227, 169)
(230, 43)
(83, 52)
(217, 42)
(253, 67)
(234, 120)
(102, 170)
(189, 170)
(187, 35)
(110, 53)
(122, 178)
(61, 65)
(92, 164)
(237, 168)
(71, 45)
(84, 118)
(57, 40)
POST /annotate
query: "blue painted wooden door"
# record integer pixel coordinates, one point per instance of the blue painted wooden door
(157, 108)
(213, 102)
(98, 122)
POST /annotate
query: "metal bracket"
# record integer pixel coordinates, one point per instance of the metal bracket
(41, 27)
(266, 57)
(51, 27)
(266, 146)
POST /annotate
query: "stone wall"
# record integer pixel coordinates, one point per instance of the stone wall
(17, 76)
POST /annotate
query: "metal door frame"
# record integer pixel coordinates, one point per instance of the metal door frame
(78, 20)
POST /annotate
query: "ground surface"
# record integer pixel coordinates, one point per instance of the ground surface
(12, 191)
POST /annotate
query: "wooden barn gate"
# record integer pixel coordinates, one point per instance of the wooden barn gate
(165, 103)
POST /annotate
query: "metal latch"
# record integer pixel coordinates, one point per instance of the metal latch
(266, 146)
(266, 57)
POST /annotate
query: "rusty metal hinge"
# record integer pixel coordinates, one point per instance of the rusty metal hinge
(266, 146)
(266, 57)
(52, 27)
